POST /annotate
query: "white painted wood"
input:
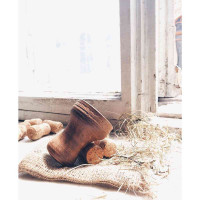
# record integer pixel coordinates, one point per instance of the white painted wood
(169, 81)
(138, 70)
(161, 42)
(73, 95)
(170, 107)
(171, 74)
(167, 122)
(143, 49)
(112, 109)
(177, 8)
(64, 118)
(136, 82)
(169, 115)
(173, 78)
(148, 56)
(138, 55)
(28, 114)
(125, 42)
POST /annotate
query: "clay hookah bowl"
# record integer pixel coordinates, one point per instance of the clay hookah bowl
(86, 125)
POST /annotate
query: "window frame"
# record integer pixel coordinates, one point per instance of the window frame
(138, 72)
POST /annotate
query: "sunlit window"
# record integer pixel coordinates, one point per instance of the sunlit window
(70, 46)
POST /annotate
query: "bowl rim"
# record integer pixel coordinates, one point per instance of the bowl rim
(95, 112)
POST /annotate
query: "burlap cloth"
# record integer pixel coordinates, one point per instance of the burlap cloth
(40, 164)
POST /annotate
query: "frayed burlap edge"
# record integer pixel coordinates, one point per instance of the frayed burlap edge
(41, 165)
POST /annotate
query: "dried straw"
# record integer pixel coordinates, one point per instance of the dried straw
(147, 150)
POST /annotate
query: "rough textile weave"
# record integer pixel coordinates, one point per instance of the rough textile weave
(41, 165)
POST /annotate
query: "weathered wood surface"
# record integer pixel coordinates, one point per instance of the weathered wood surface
(138, 72)
(112, 109)
(170, 115)
(148, 56)
(169, 81)
(64, 118)
(143, 47)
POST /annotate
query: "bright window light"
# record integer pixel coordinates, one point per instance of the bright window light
(69, 46)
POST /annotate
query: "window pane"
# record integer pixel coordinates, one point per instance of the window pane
(71, 46)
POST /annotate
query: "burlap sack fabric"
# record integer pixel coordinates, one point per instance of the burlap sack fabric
(40, 164)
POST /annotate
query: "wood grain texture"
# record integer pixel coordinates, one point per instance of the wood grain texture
(86, 124)
(143, 55)
(148, 56)
(169, 81)
(139, 71)
(111, 109)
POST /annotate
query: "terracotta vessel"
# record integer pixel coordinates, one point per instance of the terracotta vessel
(86, 125)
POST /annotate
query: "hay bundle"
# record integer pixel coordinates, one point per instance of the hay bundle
(147, 150)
